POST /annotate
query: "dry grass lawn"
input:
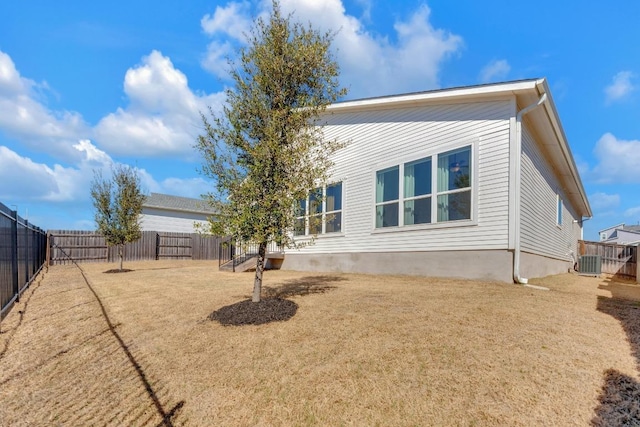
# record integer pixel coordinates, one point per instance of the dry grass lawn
(138, 349)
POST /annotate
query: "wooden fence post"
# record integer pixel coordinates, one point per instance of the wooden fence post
(48, 253)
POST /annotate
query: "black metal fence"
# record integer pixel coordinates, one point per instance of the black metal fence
(23, 248)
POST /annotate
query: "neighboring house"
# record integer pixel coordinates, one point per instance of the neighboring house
(162, 212)
(621, 234)
(474, 182)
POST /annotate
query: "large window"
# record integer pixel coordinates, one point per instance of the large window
(320, 212)
(450, 184)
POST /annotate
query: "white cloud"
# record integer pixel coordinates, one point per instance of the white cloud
(620, 87)
(163, 117)
(229, 26)
(601, 201)
(632, 212)
(38, 181)
(370, 64)
(496, 70)
(618, 160)
(215, 60)
(232, 20)
(25, 118)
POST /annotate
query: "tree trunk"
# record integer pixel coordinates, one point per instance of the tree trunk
(121, 253)
(257, 284)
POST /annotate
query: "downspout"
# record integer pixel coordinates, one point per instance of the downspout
(518, 182)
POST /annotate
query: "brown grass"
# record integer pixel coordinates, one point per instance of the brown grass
(361, 350)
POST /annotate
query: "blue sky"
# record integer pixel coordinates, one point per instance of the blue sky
(91, 83)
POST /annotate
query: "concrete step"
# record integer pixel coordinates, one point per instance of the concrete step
(273, 261)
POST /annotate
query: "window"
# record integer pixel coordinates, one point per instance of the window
(417, 192)
(450, 184)
(603, 236)
(387, 182)
(315, 211)
(454, 185)
(333, 208)
(559, 210)
(321, 212)
(301, 212)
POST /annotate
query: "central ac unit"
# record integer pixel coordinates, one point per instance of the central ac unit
(590, 265)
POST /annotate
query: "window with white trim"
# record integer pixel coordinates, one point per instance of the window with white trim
(559, 210)
(320, 212)
(454, 185)
(425, 195)
(387, 197)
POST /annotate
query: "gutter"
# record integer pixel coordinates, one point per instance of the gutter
(518, 181)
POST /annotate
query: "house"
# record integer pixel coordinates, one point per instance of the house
(162, 212)
(621, 234)
(472, 182)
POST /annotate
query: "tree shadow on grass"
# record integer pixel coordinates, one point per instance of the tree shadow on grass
(619, 401)
(303, 286)
(620, 394)
(274, 307)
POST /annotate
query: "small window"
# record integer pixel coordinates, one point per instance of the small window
(559, 211)
(603, 236)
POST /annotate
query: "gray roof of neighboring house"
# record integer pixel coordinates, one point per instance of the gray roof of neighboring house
(177, 203)
(635, 228)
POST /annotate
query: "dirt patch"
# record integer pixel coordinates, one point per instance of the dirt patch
(117, 270)
(255, 313)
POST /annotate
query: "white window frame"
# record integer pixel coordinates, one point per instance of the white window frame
(559, 209)
(323, 213)
(433, 155)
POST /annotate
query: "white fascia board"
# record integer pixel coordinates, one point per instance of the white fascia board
(613, 227)
(552, 113)
(436, 96)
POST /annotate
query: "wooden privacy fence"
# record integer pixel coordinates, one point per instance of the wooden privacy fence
(621, 260)
(22, 254)
(89, 246)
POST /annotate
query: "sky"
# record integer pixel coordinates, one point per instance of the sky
(85, 85)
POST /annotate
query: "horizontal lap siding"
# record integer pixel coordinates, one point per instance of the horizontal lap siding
(539, 231)
(170, 221)
(380, 139)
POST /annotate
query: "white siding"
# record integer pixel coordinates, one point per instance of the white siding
(384, 138)
(540, 233)
(153, 219)
(625, 237)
